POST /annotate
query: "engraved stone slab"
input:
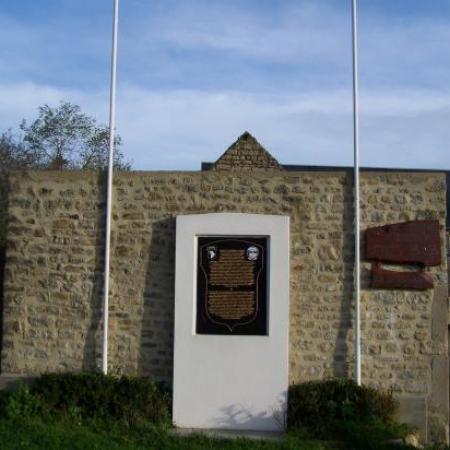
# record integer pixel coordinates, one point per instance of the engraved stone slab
(392, 279)
(415, 242)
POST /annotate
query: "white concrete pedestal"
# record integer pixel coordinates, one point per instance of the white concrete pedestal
(231, 382)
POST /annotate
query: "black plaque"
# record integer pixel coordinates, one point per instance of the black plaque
(232, 285)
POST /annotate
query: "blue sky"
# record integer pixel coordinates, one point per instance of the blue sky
(194, 74)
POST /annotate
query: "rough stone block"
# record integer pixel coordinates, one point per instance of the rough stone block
(413, 411)
(439, 314)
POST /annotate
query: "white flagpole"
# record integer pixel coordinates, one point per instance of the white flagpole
(112, 124)
(356, 197)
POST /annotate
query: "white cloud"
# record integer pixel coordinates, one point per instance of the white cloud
(179, 129)
(306, 31)
(291, 33)
(313, 37)
(21, 100)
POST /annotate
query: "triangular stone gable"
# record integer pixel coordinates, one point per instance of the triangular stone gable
(246, 153)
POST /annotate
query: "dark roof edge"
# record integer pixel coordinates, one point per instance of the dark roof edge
(306, 168)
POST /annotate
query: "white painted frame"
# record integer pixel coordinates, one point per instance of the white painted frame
(231, 382)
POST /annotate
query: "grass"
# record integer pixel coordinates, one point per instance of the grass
(37, 434)
(34, 434)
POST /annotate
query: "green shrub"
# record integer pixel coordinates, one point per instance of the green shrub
(98, 396)
(370, 434)
(321, 407)
(20, 403)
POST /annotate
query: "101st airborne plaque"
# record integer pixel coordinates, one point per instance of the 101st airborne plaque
(232, 285)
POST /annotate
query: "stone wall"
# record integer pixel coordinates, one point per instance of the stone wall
(3, 215)
(52, 307)
(405, 333)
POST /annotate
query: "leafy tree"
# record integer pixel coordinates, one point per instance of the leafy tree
(66, 138)
(14, 155)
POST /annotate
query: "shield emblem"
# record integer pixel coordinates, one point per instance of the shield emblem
(231, 285)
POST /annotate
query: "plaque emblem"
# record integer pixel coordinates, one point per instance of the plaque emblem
(252, 253)
(231, 285)
(212, 252)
